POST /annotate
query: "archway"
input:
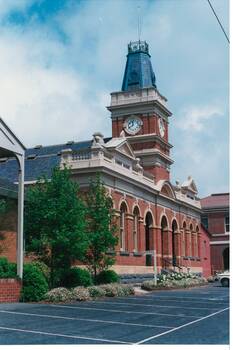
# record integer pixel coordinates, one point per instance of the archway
(123, 227)
(225, 256)
(174, 242)
(148, 235)
(164, 240)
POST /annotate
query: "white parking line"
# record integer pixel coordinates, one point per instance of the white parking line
(158, 306)
(63, 335)
(122, 311)
(179, 327)
(82, 319)
(213, 300)
(155, 295)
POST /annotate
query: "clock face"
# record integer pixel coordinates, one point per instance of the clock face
(161, 127)
(132, 125)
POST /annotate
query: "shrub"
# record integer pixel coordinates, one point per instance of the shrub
(128, 289)
(80, 294)
(170, 282)
(7, 269)
(211, 279)
(96, 291)
(77, 277)
(34, 284)
(58, 295)
(115, 289)
(110, 290)
(107, 276)
(43, 268)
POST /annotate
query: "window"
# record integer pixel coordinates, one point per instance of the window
(205, 249)
(204, 221)
(227, 224)
(135, 229)
(184, 240)
(122, 227)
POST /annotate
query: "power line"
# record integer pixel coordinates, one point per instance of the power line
(218, 21)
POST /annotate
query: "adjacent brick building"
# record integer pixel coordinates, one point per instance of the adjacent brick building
(216, 219)
(152, 213)
(8, 220)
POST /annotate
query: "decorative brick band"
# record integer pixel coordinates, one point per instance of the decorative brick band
(10, 290)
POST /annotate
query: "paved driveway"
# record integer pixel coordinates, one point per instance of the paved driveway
(194, 316)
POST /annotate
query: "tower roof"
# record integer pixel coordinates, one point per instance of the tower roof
(138, 71)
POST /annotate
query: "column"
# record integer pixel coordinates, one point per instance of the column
(20, 248)
(129, 233)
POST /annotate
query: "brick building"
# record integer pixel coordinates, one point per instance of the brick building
(134, 164)
(8, 219)
(215, 217)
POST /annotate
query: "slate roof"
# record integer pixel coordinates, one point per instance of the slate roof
(139, 73)
(40, 160)
(217, 200)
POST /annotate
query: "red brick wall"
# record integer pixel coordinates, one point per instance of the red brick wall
(159, 173)
(8, 245)
(8, 227)
(198, 256)
(216, 223)
(9, 290)
(205, 253)
(217, 256)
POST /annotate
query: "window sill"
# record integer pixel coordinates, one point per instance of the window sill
(124, 253)
(137, 254)
(111, 253)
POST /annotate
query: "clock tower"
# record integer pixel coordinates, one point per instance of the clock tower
(140, 110)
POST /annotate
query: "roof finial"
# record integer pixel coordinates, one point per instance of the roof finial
(139, 23)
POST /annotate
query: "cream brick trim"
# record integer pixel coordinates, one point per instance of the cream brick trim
(220, 234)
(129, 216)
(218, 242)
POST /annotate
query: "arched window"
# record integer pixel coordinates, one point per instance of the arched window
(148, 226)
(174, 242)
(197, 249)
(135, 229)
(164, 240)
(123, 211)
(184, 240)
(191, 242)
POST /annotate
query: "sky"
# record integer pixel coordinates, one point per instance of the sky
(61, 59)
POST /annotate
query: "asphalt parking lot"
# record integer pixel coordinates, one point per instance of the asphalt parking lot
(194, 316)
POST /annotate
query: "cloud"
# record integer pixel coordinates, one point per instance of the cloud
(194, 118)
(6, 6)
(43, 102)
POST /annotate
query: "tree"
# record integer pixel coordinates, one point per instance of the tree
(2, 211)
(2, 206)
(101, 230)
(55, 223)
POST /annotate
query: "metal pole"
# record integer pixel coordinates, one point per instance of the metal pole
(155, 268)
(20, 218)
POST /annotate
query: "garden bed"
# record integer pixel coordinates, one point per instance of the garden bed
(63, 295)
(175, 281)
